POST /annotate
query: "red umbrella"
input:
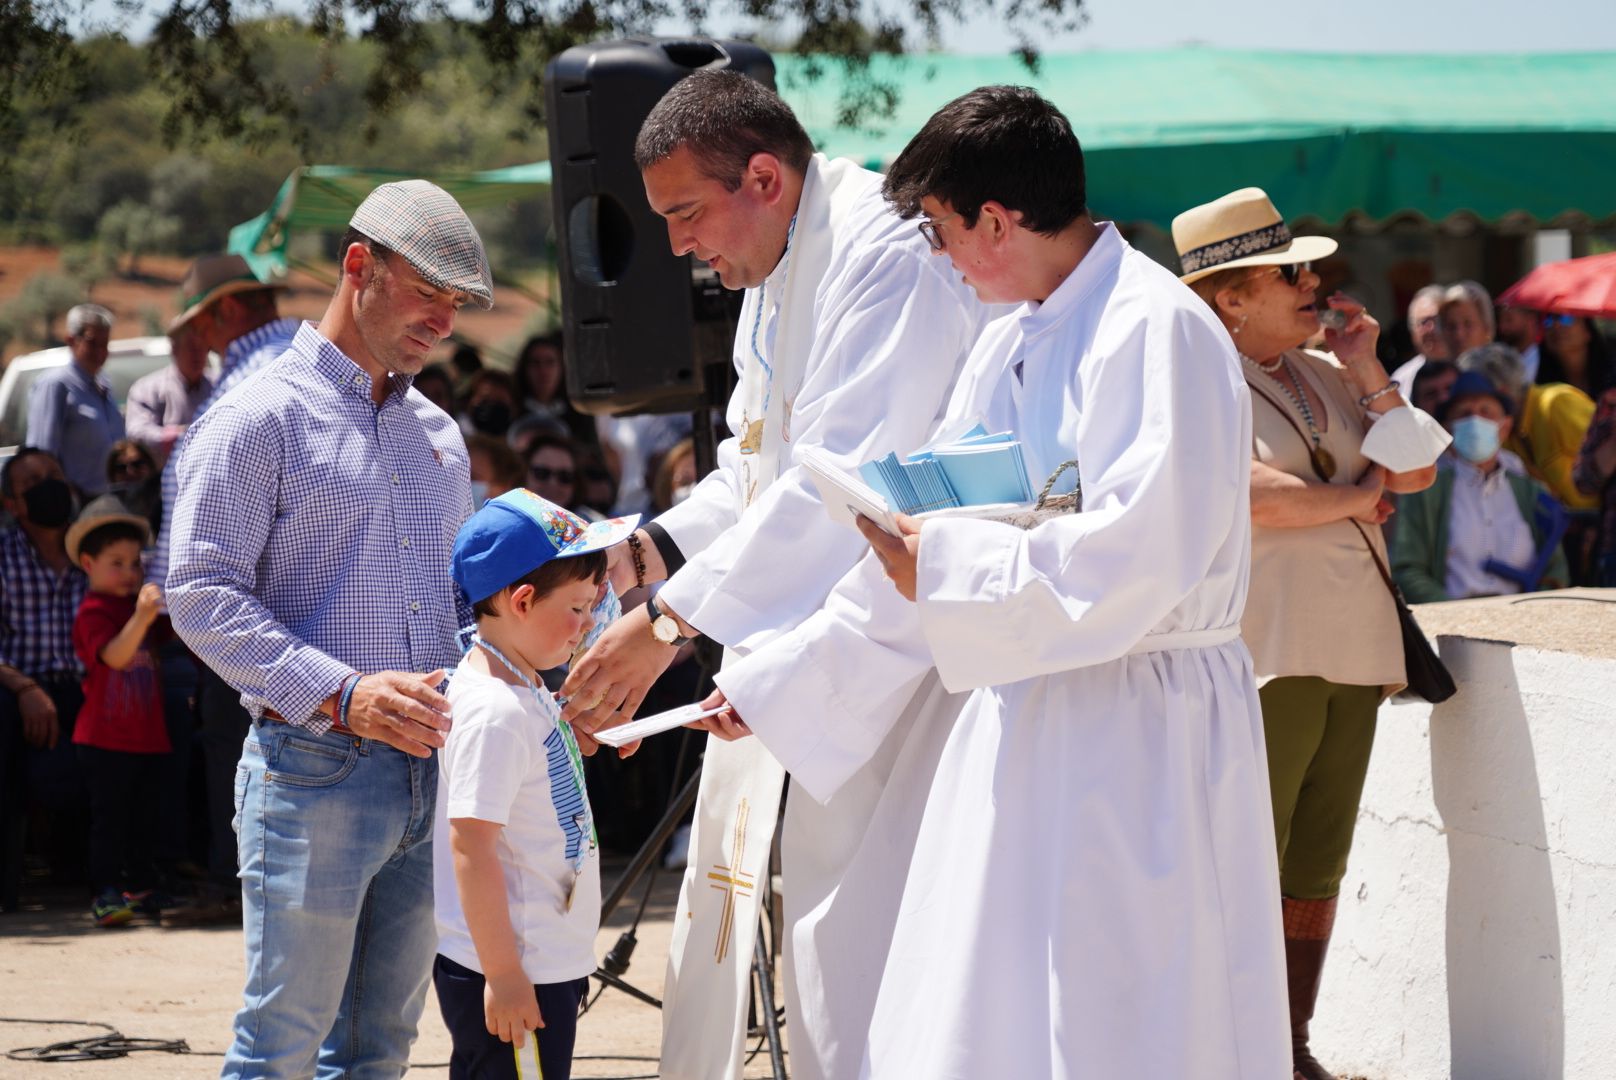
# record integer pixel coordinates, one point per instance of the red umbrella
(1585, 286)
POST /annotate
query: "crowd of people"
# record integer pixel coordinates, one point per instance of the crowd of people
(519, 430)
(263, 579)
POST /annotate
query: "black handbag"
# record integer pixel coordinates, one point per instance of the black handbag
(1428, 677)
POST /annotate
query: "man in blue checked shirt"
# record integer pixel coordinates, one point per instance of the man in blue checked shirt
(309, 567)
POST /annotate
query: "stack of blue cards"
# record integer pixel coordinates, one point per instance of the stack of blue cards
(975, 469)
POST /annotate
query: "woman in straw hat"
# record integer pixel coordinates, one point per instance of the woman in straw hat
(1319, 620)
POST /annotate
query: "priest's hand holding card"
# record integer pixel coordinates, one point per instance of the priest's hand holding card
(898, 554)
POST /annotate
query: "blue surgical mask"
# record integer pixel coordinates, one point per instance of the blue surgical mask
(479, 494)
(1475, 438)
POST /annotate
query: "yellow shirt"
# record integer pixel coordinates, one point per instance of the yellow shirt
(1548, 434)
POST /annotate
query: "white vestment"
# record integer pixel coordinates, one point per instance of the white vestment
(852, 345)
(1092, 890)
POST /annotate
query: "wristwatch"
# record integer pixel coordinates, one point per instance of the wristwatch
(663, 628)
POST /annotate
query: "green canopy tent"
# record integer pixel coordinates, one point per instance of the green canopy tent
(325, 197)
(1326, 135)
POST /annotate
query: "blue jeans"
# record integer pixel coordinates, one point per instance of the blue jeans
(335, 842)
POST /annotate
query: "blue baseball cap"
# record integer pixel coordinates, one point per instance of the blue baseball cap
(515, 534)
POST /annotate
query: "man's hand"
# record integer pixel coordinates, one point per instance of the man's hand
(510, 1007)
(614, 675)
(40, 729)
(401, 709)
(726, 725)
(898, 554)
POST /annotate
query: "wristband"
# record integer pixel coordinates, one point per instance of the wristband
(672, 557)
(1390, 388)
(636, 549)
(348, 687)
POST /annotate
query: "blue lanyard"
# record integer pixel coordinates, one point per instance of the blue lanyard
(757, 320)
(574, 756)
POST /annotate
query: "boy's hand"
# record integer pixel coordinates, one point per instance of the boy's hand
(510, 1008)
(149, 602)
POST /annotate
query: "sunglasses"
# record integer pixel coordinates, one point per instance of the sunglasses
(544, 474)
(928, 229)
(1551, 321)
(1292, 272)
(128, 468)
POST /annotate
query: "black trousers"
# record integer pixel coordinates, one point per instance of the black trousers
(46, 781)
(480, 1056)
(224, 725)
(126, 792)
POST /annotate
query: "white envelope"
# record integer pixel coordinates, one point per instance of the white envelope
(654, 725)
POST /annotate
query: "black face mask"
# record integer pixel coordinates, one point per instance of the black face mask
(49, 503)
(491, 417)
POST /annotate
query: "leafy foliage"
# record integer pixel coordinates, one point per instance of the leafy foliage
(221, 99)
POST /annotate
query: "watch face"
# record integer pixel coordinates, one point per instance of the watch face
(665, 629)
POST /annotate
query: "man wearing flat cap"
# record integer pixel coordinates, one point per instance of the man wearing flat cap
(310, 568)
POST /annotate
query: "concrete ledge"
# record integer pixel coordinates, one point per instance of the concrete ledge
(1475, 936)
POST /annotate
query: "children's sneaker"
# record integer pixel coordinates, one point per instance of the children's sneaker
(149, 903)
(111, 909)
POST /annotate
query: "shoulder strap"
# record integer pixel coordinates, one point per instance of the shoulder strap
(1312, 459)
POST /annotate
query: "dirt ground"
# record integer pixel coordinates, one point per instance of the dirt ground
(157, 290)
(158, 983)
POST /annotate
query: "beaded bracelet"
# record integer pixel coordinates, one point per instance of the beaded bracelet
(1368, 399)
(638, 551)
(348, 687)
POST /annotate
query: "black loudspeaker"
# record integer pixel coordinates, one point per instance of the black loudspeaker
(641, 325)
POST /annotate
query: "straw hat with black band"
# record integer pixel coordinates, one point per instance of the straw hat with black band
(1243, 228)
(212, 277)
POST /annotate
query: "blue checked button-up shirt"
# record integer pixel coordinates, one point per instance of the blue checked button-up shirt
(313, 530)
(37, 609)
(242, 357)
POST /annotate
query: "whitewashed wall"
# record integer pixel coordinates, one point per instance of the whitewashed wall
(1477, 929)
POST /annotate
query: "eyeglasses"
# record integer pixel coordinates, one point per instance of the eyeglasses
(1292, 272)
(128, 468)
(544, 474)
(928, 229)
(1550, 321)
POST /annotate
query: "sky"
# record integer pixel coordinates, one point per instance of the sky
(1421, 26)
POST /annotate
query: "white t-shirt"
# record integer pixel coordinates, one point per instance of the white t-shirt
(505, 761)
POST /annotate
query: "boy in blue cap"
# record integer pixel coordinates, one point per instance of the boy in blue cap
(515, 866)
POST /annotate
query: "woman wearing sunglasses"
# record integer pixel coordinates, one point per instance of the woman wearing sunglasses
(1320, 621)
(1574, 352)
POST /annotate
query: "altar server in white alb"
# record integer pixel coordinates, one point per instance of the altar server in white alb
(850, 338)
(1091, 893)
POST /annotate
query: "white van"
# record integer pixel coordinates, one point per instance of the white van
(127, 360)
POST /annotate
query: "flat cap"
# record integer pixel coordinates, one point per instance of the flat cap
(425, 224)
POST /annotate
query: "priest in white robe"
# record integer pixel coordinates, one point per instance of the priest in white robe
(1092, 891)
(850, 339)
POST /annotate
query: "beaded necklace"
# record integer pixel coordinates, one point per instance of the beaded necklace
(1298, 398)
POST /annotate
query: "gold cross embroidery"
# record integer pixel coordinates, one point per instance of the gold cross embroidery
(731, 880)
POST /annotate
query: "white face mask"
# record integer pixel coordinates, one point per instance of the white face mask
(479, 494)
(681, 493)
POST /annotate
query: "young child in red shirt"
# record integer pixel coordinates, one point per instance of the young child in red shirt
(121, 737)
